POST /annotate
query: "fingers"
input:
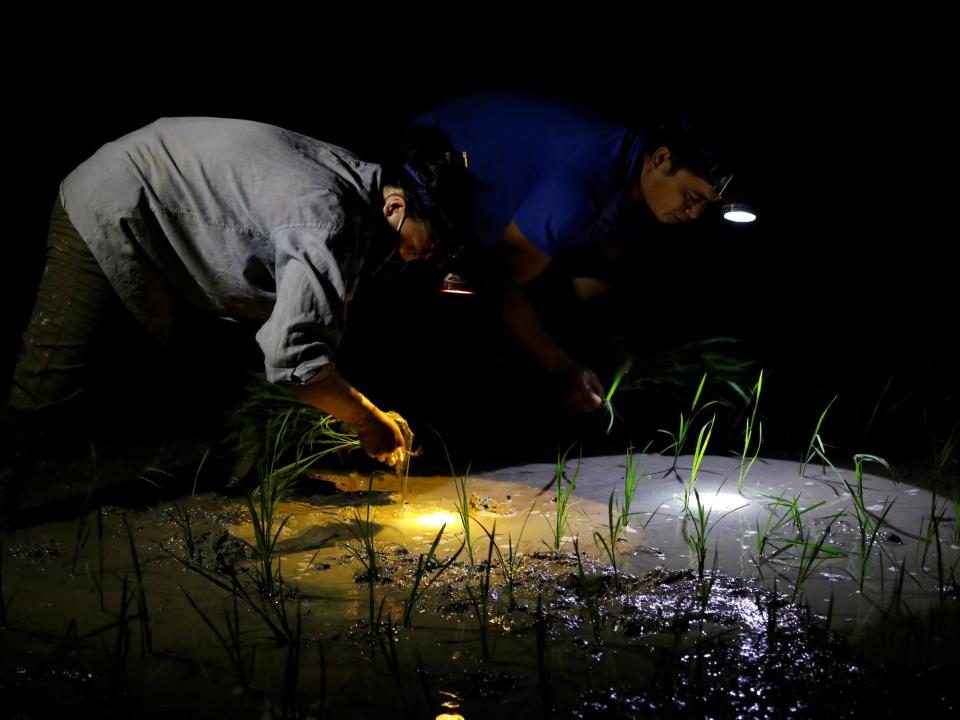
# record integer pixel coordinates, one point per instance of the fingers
(586, 393)
(394, 458)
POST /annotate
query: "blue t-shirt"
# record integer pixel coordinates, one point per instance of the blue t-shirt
(561, 173)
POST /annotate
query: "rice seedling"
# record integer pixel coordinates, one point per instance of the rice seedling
(121, 647)
(425, 563)
(589, 594)
(679, 439)
(617, 378)
(241, 661)
(816, 445)
(272, 613)
(619, 519)
(869, 529)
(97, 579)
(508, 564)
(615, 528)
(700, 450)
(812, 554)
(705, 586)
(143, 612)
(463, 511)
(182, 513)
(700, 521)
(364, 531)
(481, 602)
(791, 512)
(388, 646)
(751, 423)
(562, 497)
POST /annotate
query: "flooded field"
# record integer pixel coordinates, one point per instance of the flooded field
(796, 595)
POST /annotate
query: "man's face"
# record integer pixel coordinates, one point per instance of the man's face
(416, 241)
(674, 197)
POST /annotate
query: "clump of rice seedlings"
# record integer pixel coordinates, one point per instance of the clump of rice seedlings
(481, 600)
(562, 497)
(791, 511)
(816, 445)
(267, 577)
(271, 421)
(182, 513)
(272, 613)
(751, 423)
(812, 554)
(617, 378)
(697, 542)
(678, 439)
(699, 519)
(867, 525)
(869, 529)
(425, 563)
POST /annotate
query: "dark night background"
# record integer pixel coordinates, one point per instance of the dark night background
(842, 284)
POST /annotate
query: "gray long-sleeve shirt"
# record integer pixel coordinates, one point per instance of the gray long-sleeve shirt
(245, 220)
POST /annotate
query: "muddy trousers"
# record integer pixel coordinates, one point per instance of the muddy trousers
(69, 316)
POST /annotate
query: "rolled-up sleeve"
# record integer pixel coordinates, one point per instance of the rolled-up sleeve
(299, 338)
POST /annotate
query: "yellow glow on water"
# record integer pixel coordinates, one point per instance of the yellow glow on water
(437, 519)
(450, 716)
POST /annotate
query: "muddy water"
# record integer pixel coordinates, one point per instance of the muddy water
(651, 639)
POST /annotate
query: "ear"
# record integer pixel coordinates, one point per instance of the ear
(393, 203)
(661, 159)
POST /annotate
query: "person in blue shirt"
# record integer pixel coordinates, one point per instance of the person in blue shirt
(236, 219)
(549, 179)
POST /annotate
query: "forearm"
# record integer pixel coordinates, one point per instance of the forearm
(335, 396)
(524, 324)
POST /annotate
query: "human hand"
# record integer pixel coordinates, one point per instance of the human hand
(583, 392)
(381, 438)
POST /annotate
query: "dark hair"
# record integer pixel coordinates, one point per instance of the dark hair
(692, 148)
(436, 186)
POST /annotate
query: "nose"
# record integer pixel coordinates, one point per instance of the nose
(413, 252)
(694, 211)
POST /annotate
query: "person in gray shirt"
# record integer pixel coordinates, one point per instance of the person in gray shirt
(240, 219)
